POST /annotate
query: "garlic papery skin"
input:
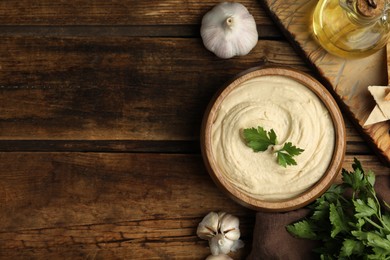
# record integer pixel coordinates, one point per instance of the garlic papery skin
(228, 222)
(219, 257)
(229, 30)
(208, 228)
(222, 231)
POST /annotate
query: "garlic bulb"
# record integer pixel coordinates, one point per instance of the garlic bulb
(222, 231)
(229, 30)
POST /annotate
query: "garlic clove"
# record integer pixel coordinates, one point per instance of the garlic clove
(233, 234)
(219, 257)
(219, 244)
(229, 30)
(228, 222)
(208, 227)
(221, 215)
(204, 232)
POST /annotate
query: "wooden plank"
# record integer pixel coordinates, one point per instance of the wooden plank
(105, 205)
(268, 31)
(140, 146)
(358, 148)
(347, 78)
(100, 12)
(352, 134)
(115, 88)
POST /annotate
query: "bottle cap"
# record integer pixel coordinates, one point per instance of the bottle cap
(370, 8)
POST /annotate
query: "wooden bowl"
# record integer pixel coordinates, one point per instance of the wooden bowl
(280, 205)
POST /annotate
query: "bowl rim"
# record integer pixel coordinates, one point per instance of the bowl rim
(313, 192)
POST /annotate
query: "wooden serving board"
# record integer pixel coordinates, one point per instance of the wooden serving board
(346, 79)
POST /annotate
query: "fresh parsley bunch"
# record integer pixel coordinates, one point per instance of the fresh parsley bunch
(353, 226)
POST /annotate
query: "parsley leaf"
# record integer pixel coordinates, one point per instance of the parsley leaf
(351, 246)
(291, 149)
(336, 217)
(285, 159)
(362, 209)
(302, 229)
(285, 155)
(259, 140)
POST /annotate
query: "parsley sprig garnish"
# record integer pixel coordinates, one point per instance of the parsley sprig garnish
(350, 225)
(259, 140)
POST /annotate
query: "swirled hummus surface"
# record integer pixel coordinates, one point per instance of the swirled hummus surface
(296, 114)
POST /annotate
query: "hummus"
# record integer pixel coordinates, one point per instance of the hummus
(296, 114)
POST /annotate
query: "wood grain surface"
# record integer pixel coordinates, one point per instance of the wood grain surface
(348, 79)
(100, 111)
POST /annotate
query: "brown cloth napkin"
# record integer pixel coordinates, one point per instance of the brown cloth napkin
(271, 241)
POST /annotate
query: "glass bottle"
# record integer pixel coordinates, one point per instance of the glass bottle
(351, 28)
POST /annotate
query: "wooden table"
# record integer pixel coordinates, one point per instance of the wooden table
(100, 111)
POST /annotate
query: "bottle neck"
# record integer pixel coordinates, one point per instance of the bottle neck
(365, 12)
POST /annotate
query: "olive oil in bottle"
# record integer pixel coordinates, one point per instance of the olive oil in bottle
(351, 28)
